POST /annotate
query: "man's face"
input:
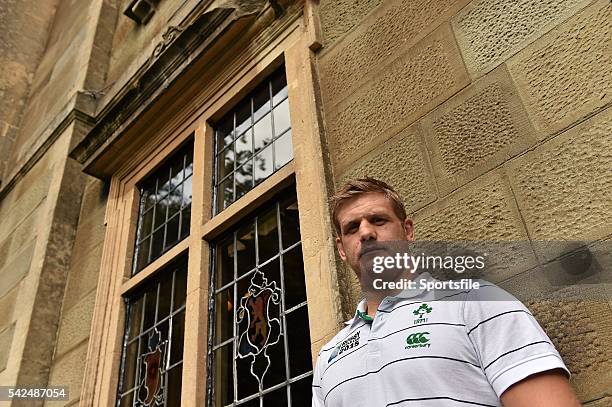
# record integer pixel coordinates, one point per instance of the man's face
(368, 217)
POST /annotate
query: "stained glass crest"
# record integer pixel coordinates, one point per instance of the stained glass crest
(151, 393)
(257, 324)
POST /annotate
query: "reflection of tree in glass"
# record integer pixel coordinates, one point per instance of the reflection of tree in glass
(243, 151)
(163, 190)
(260, 162)
(226, 194)
(174, 201)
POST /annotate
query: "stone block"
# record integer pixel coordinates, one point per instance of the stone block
(89, 234)
(409, 87)
(585, 274)
(393, 27)
(14, 211)
(340, 16)
(5, 247)
(38, 176)
(132, 44)
(75, 324)
(565, 76)
(350, 291)
(83, 275)
(491, 31)
(476, 130)
(94, 200)
(483, 210)
(16, 269)
(7, 305)
(6, 340)
(402, 162)
(563, 186)
(68, 370)
(580, 331)
(18, 237)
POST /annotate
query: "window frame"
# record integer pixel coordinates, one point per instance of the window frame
(293, 43)
(274, 202)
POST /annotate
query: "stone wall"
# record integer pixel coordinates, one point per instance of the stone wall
(133, 44)
(493, 119)
(69, 72)
(38, 219)
(20, 53)
(79, 297)
(55, 51)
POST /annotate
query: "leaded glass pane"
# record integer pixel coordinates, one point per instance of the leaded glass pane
(276, 398)
(298, 338)
(224, 385)
(301, 392)
(245, 249)
(281, 117)
(185, 221)
(293, 267)
(244, 147)
(152, 355)
(224, 314)
(264, 165)
(283, 149)
(225, 132)
(262, 132)
(165, 207)
(246, 139)
(267, 233)
(225, 193)
(244, 178)
(175, 376)
(279, 87)
(261, 100)
(180, 291)
(290, 222)
(260, 328)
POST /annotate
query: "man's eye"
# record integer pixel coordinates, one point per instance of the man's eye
(350, 229)
(379, 221)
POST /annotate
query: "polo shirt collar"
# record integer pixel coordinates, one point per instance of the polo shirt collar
(418, 290)
(403, 295)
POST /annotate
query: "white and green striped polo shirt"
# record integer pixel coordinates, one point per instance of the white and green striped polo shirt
(433, 348)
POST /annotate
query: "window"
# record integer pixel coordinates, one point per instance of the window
(152, 352)
(253, 140)
(260, 335)
(229, 146)
(151, 365)
(165, 208)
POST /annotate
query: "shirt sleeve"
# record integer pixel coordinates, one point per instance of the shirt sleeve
(508, 340)
(317, 391)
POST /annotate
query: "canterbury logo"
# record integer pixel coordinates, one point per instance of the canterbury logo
(417, 338)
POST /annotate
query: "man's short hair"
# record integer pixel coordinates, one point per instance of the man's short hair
(356, 187)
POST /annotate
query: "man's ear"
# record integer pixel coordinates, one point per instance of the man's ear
(409, 228)
(340, 248)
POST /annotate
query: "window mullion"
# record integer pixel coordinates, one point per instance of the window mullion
(283, 293)
(234, 325)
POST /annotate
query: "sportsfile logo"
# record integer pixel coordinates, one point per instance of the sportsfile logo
(418, 340)
(345, 345)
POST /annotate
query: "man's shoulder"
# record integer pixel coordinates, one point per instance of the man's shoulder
(488, 291)
(351, 328)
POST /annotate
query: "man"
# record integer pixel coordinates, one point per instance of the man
(410, 349)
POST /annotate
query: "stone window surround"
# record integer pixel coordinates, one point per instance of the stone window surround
(311, 182)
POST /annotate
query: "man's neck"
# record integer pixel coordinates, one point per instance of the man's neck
(373, 299)
(372, 307)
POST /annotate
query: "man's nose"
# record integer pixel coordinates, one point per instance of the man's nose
(367, 231)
